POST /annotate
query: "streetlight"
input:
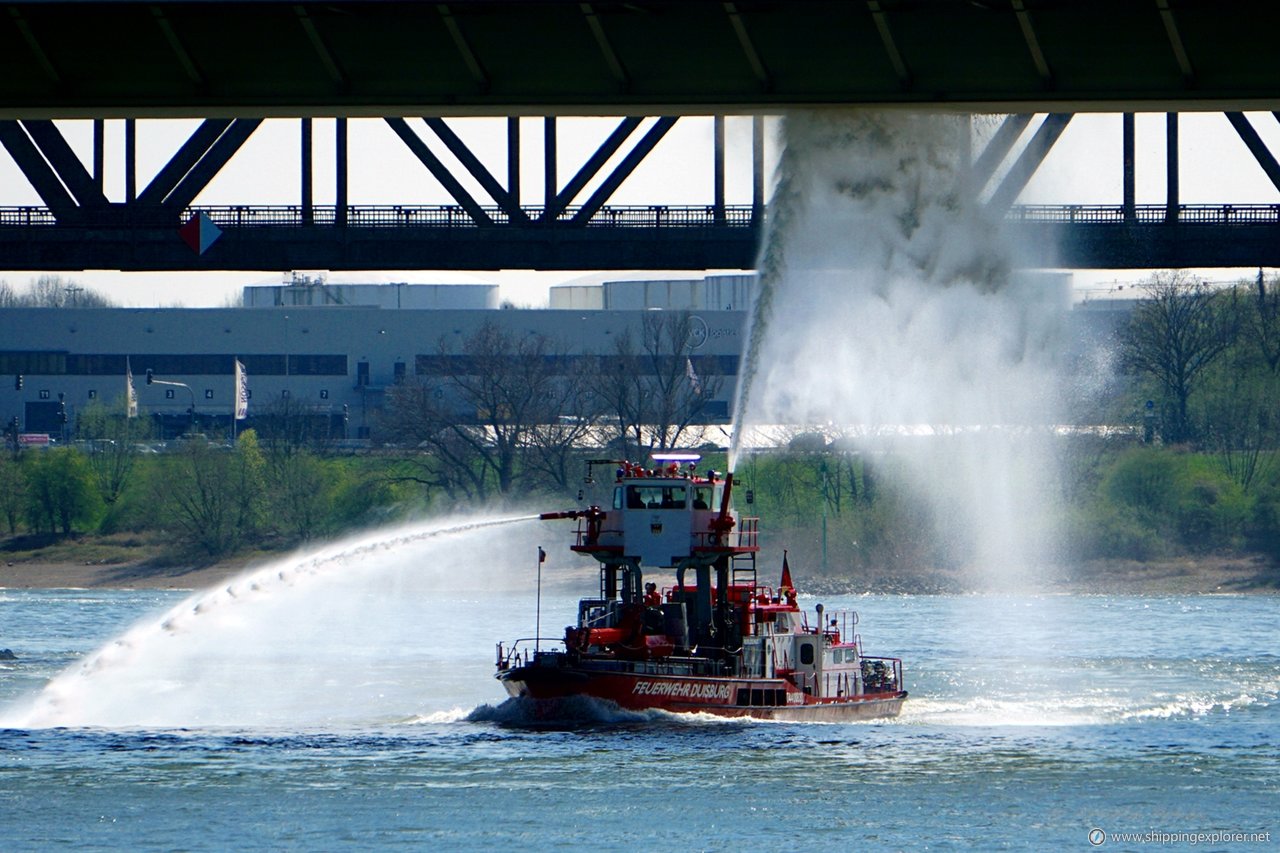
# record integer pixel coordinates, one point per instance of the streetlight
(191, 412)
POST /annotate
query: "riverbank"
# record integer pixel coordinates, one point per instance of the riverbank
(1199, 575)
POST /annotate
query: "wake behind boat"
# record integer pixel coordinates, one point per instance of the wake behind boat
(712, 639)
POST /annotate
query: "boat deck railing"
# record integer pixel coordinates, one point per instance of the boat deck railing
(526, 651)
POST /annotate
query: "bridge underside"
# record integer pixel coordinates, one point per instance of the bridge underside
(107, 59)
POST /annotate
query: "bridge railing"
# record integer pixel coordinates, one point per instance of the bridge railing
(616, 216)
(1146, 214)
(401, 216)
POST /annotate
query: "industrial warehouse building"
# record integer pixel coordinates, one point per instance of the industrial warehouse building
(330, 349)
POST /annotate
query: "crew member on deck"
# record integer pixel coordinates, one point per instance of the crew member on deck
(651, 596)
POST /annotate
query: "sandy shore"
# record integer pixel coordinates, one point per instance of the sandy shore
(118, 576)
(1182, 576)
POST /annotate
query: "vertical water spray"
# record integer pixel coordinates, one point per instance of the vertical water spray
(887, 307)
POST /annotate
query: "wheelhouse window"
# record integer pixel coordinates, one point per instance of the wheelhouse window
(657, 497)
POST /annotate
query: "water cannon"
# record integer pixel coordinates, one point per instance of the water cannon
(723, 523)
(593, 514)
(588, 513)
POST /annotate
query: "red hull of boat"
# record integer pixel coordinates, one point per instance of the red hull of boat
(695, 694)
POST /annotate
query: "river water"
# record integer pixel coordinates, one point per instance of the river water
(348, 703)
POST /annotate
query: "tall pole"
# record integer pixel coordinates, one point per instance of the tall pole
(824, 519)
(537, 618)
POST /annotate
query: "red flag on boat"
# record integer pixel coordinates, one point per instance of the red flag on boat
(786, 574)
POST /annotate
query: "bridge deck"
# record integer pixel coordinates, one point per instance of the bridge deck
(446, 237)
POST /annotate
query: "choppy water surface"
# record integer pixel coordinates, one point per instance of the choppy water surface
(355, 708)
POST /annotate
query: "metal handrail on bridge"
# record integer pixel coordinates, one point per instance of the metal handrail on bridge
(630, 216)
(1146, 214)
(420, 216)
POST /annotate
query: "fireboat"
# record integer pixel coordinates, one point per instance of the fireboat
(712, 639)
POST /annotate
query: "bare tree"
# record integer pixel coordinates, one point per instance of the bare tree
(555, 448)
(13, 492)
(214, 499)
(1263, 321)
(652, 389)
(288, 426)
(1177, 332)
(52, 291)
(112, 450)
(476, 413)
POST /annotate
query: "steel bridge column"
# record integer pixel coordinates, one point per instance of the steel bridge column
(308, 193)
(1171, 167)
(757, 169)
(1127, 144)
(513, 161)
(99, 152)
(718, 169)
(340, 155)
(130, 161)
(549, 162)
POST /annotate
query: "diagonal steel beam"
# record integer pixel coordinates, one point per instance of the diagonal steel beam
(204, 171)
(890, 46)
(1033, 43)
(1027, 163)
(439, 170)
(179, 49)
(468, 55)
(1175, 42)
(997, 149)
(186, 157)
(624, 170)
(606, 47)
(13, 136)
(592, 167)
(748, 46)
(1256, 146)
(472, 164)
(66, 165)
(29, 36)
(322, 50)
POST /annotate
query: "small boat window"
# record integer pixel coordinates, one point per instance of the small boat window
(702, 497)
(617, 497)
(806, 654)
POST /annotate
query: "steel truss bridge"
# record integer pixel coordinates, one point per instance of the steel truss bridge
(412, 63)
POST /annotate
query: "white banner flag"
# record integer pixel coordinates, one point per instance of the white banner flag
(130, 394)
(242, 392)
(692, 375)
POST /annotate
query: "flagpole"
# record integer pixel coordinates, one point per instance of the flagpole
(537, 619)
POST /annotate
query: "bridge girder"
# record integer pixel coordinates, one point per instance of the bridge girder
(293, 58)
(79, 228)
